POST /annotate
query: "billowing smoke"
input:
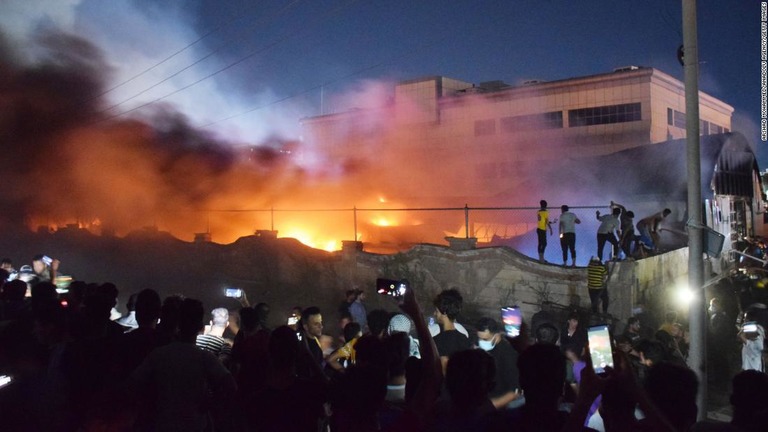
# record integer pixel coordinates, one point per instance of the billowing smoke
(64, 163)
(69, 159)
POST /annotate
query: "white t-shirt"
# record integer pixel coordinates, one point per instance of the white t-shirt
(434, 329)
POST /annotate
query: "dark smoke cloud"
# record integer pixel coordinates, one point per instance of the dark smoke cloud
(64, 162)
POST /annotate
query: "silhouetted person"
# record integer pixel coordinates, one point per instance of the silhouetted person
(469, 379)
(448, 306)
(262, 315)
(358, 394)
(287, 402)
(542, 377)
(673, 389)
(250, 362)
(546, 333)
(168, 327)
(185, 386)
(133, 347)
(378, 320)
(14, 304)
(750, 392)
(310, 334)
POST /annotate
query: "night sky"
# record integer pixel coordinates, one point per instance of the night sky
(249, 70)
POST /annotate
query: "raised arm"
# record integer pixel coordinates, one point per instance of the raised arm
(432, 372)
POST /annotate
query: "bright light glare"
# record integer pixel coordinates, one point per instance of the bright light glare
(684, 296)
(382, 221)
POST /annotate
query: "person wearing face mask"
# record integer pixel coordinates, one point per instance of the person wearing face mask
(492, 340)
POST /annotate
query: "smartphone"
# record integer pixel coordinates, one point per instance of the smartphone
(47, 260)
(749, 327)
(512, 318)
(234, 292)
(600, 347)
(391, 287)
(293, 320)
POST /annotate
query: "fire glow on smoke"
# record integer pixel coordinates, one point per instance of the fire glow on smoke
(70, 164)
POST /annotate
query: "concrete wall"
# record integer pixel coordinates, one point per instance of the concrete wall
(490, 278)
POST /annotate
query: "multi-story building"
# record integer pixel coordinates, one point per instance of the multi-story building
(577, 141)
(490, 135)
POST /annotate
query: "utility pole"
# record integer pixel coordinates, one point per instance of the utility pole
(696, 311)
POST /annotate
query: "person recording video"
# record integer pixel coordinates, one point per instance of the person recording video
(45, 269)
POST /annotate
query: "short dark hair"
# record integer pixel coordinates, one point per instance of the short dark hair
(351, 330)
(147, 306)
(191, 314)
(564, 208)
(449, 302)
(308, 312)
(6, 261)
(666, 212)
(630, 214)
(616, 211)
(488, 324)
(378, 320)
(543, 204)
(547, 333)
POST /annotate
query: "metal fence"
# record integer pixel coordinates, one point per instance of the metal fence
(396, 229)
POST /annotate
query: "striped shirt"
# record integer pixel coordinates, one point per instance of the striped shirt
(215, 344)
(596, 274)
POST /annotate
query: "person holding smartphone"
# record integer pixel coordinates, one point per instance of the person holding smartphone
(752, 336)
(45, 269)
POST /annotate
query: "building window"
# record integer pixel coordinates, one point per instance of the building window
(548, 120)
(676, 118)
(485, 127)
(703, 127)
(604, 115)
(715, 129)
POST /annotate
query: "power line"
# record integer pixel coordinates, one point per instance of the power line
(200, 60)
(230, 65)
(168, 58)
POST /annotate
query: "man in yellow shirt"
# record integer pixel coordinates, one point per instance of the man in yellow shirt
(543, 223)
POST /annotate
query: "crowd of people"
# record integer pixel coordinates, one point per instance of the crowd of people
(628, 240)
(175, 365)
